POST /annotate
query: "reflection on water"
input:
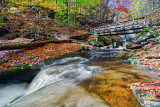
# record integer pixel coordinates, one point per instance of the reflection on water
(114, 84)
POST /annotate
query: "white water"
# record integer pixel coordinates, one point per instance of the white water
(10, 92)
(70, 69)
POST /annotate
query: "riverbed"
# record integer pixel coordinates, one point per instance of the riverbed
(92, 78)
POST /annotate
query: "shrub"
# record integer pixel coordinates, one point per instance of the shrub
(94, 36)
(155, 33)
(129, 45)
(146, 48)
(146, 29)
(132, 60)
(107, 40)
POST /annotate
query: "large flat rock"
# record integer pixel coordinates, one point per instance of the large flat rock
(60, 94)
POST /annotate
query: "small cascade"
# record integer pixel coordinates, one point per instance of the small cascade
(70, 69)
(64, 77)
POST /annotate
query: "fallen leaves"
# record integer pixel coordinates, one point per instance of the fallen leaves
(36, 55)
(149, 90)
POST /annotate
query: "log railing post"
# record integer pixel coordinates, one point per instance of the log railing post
(115, 29)
(158, 9)
(153, 7)
(153, 11)
(140, 13)
(143, 11)
(99, 29)
(150, 19)
(110, 28)
(124, 25)
(116, 26)
(133, 22)
(104, 30)
(145, 21)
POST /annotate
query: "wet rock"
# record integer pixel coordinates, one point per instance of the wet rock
(107, 41)
(144, 43)
(96, 43)
(144, 38)
(60, 94)
(136, 47)
(51, 14)
(18, 76)
(153, 57)
(3, 32)
(130, 37)
(133, 46)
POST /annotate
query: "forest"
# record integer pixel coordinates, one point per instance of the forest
(79, 53)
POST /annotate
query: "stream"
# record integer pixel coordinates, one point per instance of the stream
(87, 79)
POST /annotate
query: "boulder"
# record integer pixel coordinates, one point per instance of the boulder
(144, 38)
(133, 46)
(60, 94)
(96, 43)
(144, 43)
(3, 32)
(107, 41)
(136, 47)
(51, 14)
(130, 37)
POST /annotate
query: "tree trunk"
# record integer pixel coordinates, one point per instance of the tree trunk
(105, 8)
(33, 44)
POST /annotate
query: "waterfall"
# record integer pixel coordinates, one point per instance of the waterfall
(70, 69)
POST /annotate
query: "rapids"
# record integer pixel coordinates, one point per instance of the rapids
(92, 78)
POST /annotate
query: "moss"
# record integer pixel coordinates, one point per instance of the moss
(31, 58)
(146, 48)
(132, 60)
(5, 61)
(15, 68)
(129, 45)
(96, 43)
(107, 40)
(122, 55)
(26, 66)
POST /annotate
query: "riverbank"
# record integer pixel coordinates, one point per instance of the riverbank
(26, 57)
(96, 72)
(33, 56)
(144, 51)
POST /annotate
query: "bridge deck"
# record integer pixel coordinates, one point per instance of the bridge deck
(126, 27)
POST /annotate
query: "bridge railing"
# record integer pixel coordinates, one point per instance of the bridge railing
(142, 20)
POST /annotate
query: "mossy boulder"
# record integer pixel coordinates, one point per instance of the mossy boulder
(51, 14)
(3, 29)
(107, 41)
(133, 46)
(96, 43)
(144, 38)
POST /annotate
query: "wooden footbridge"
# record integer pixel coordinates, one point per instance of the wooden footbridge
(125, 27)
(132, 26)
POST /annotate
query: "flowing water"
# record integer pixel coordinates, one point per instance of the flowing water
(89, 79)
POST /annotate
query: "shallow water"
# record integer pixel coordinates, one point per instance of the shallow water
(9, 92)
(113, 85)
(93, 78)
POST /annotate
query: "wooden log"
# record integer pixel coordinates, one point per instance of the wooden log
(153, 57)
(30, 45)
